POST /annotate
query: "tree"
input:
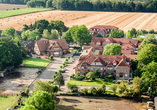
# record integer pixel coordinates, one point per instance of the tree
(54, 34)
(81, 34)
(149, 77)
(99, 35)
(137, 86)
(114, 88)
(68, 37)
(72, 87)
(123, 86)
(41, 100)
(100, 91)
(131, 34)
(9, 32)
(150, 39)
(90, 76)
(147, 54)
(97, 73)
(46, 34)
(45, 86)
(25, 34)
(115, 34)
(112, 49)
(25, 27)
(93, 91)
(59, 80)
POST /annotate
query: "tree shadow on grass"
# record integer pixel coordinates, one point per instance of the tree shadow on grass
(63, 107)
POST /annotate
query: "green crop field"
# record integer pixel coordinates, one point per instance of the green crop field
(9, 13)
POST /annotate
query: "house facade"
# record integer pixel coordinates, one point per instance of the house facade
(102, 29)
(51, 47)
(129, 46)
(118, 66)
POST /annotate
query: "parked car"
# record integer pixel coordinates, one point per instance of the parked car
(77, 54)
(63, 70)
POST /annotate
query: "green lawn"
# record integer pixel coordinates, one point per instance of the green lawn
(6, 102)
(9, 13)
(36, 63)
(97, 82)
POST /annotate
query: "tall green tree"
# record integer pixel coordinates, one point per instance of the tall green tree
(115, 34)
(9, 32)
(45, 86)
(81, 34)
(147, 54)
(68, 36)
(54, 34)
(131, 34)
(41, 100)
(59, 80)
(46, 34)
(112, 49)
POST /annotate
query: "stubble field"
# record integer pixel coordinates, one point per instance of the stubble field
(123, 20)
(3, 7)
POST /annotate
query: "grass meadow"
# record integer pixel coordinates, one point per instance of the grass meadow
(9, 13)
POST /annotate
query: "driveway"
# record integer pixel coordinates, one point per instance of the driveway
(68, 73)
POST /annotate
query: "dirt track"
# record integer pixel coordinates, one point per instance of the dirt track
(124, 21)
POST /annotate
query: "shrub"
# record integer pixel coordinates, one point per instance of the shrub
(93, 91)
(27, 90)
(54, 76)
(72, 76)
(85, 91)
(151, 31)
(18, 8)
(80, 78)
(6, 9)
(51, 57)
(114, 88)
(79, 49)
(13, 8)
(56, 72)
(68, 57)
(72, 87)
(100, 91)
(61, 66)
(77, 74)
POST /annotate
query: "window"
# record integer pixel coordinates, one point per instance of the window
(48, 53)
(109, 68)
(90, 29)
(60, 53)
(101, 68)
(95, 68)
(104, 44)
(114, 63)
(104, 68)
(91, 68)
(78, 67)
(117, 70)
(51, 53)
(126, 75)
(121, 70)
(88, 68)
(98, 43)
(56, 48)
(82, 68)
(126, 70)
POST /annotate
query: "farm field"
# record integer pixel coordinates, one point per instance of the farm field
(123, 20)
(9, 13)
(3, 7)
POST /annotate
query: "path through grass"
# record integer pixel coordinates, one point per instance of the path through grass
(9, 13)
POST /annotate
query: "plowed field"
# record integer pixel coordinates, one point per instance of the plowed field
(123, 20)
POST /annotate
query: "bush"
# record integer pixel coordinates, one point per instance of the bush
(79, 49)
(72, 76)
(13, 8)
(18, 8)
(114, 88)
(27, 90)
(151, 31)
(72, 87)
(6, 9)
(68, 57)
(93, 91)
(51, 57)
(80, 78)
(62, 56)
(68, 94)
(85, 91)
(61, 66)
(100, 91)
(56, 72)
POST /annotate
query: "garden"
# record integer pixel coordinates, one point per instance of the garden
(36, 63)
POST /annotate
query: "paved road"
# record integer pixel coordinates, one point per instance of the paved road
(52, 68)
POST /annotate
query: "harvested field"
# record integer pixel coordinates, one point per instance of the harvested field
(123, 20)
(3, 7)
(96, 103)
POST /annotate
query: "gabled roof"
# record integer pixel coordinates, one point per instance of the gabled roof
(29, 43)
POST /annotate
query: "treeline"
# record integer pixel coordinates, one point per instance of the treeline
(97, 5)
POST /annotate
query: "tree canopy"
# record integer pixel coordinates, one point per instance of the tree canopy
(59, 80)
(147, 54)
(41, 100)
(115, 34)
(9, 32)
(131, 34)
(112, 49)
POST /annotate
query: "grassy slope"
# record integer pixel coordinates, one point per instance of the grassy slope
(97, 82)
(4, 14)
(7, 102)
(36, 63)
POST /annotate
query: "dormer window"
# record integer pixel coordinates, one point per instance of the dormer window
(91, 29)
(134, 44)
(114, 63)
(127, 62)
(94, 29)
(98, 43)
